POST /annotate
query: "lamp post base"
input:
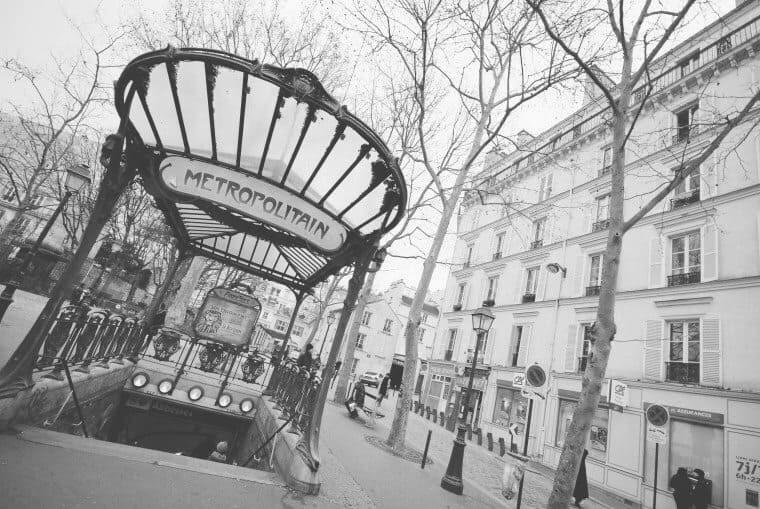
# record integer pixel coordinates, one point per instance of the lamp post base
(452, 481)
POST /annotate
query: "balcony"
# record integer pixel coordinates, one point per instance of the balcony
(457, 307)
(605, 170)
(528, 297)
(593, 291)
(600, 225)
(466, 265)
(448, 355)
(685, 199)
(537, 243)
(687, 278)
(683, 133)
(488, 303)
(497, 256)
(682, 372)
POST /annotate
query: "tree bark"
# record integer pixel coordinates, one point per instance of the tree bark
(322, 308)
(175, 315)
(341, 389)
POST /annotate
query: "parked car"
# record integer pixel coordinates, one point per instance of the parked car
(371, 378)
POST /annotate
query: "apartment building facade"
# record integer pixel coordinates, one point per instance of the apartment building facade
(688, 284)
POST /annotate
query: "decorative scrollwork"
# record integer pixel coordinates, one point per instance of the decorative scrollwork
(165, 345)
(211, 356)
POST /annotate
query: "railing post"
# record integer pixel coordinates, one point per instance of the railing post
(273, 379)
(308, 445)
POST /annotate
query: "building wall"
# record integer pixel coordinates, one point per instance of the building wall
(715, 421)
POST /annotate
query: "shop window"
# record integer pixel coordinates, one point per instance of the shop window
(510, 408)
(597, 443)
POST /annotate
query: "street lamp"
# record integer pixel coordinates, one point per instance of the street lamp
(77, 178)
(554, 268)
(330, 320)
(482, 319)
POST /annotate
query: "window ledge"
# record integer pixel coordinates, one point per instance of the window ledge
(682, 220)
(687, 302)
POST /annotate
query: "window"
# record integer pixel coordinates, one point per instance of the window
(606, 160)
(360, 340)
(481, 349)
(452, 343)
(724, 46)
(469, 256)
(493, 283)
(585, 348)
(387, 325)
(275, 292)
(298, 330)
(37, 200)
(683, 352)
(602, 214)
(460, 293)
(545, 187)
(685, 123)
(354, 363)
(517, 338)
(420, 334)
(687, 191)
(597, 443)
(595, 275)
(265, 315)
(689, 64)
(8, 193)
(538, 233)
(685, 259)
(510, 408)
(22, 226)
(424, 318)
(280, 325)
(531, 283)
(366, 318)
(499, 246)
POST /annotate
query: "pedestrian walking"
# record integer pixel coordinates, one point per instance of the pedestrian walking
(701, 493)
(305, 360)
(383, 391)
(681, 486)
(580, 493)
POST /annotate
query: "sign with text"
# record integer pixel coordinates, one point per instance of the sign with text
(692, 415)
(657, 422)
(227, 317)
(518, 380)
(253, 197)
(743, 474)
(618, 397)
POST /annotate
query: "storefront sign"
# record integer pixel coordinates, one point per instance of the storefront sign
(688, 414)
(172, 409)
(227, 317)
(253, 197)
(618, 397)
(743, 473)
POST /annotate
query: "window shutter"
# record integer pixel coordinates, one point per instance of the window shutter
(653, 345)
(655, 262)
(522, 354)
(516, 283)
(571, 348)
(589, 216)
(710, 351)
(709, 253)
(542, 282)
(549, 233)
(578, 276)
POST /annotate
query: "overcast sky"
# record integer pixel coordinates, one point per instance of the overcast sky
(37, 31)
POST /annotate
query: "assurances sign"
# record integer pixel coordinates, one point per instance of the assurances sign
(227, 317)
(253, 197)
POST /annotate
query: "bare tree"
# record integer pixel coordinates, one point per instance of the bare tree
(467, 68)
(636, 34)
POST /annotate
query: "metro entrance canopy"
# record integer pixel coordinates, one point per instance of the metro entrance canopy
(256, 166)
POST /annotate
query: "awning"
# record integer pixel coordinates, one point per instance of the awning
(256, 166)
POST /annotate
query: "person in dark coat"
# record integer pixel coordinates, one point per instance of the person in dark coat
(580, 492)
(701, 493)
(305, 360)
(338, 364)
(382, 393)
(681, 486)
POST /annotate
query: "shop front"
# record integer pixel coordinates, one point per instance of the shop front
(456, 398)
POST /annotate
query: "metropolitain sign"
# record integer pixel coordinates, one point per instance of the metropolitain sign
(253, 197)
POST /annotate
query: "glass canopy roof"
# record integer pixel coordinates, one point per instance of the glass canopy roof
(258, 166)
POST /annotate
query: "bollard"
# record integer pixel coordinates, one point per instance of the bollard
(489, 437)
(502, 446)
(428, 410)
(427, 445)
(435, 417)
(416, 406)
(469, 432)
(442, 418)
(480, 436)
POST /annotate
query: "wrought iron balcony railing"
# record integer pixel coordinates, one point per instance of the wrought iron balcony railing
(682, 372)
(582, 362)
(605, 170)
(593, 291)
(684, 199)
(687, 278)
(537, 243)
(529, 297)
(683, 133)
(600, 225)
(496, 256)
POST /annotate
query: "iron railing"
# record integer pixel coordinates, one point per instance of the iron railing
(497, 256)
(593, 291)
(295, 394)
(600, 225)
(683, 133)
(685, 199)
(448, 355)
(682, 372)
(537, 243)
(687, 278)
(529, 297)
